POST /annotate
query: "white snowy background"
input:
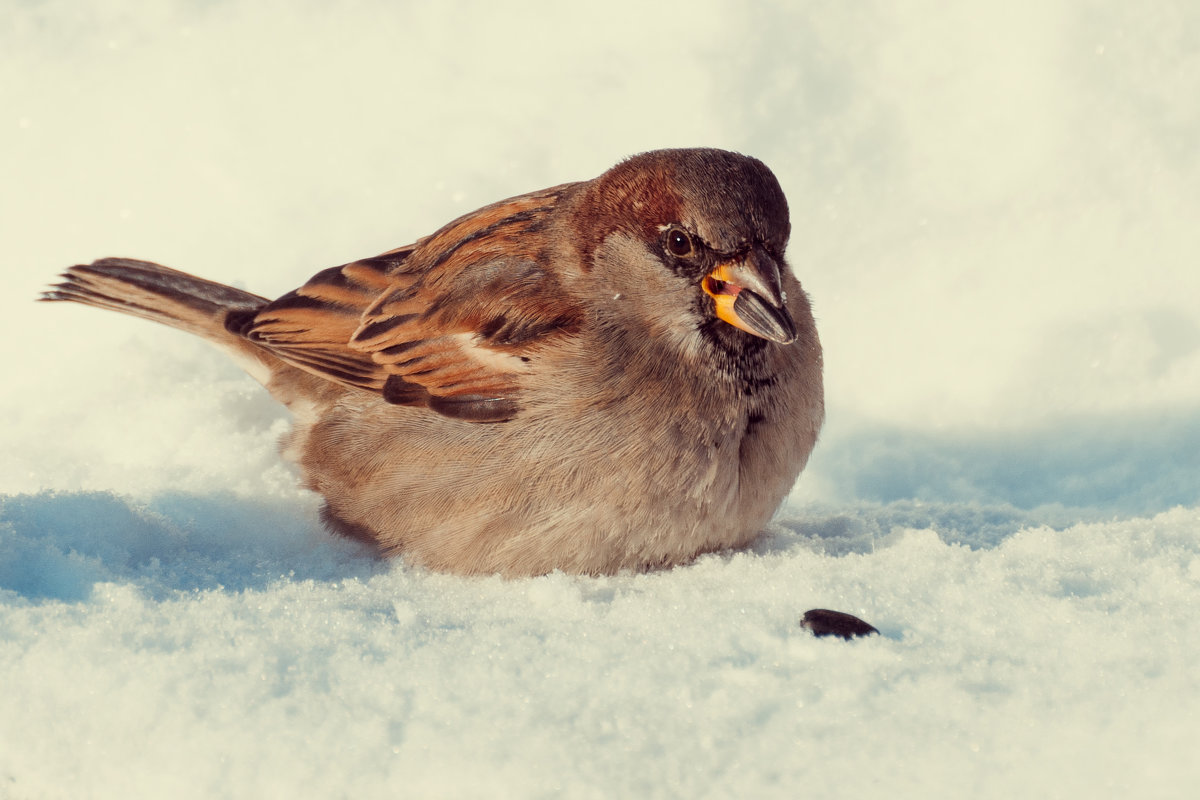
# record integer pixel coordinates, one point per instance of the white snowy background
(996, 210)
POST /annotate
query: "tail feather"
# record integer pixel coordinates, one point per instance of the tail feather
(147, 290)
(204, 308)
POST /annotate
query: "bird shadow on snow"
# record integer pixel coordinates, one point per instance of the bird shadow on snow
(971, 489)
(979, 488)
(58, 545)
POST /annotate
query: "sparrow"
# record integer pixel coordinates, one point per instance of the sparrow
(613, 374)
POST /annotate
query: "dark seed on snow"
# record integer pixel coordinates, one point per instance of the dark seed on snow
(823, 622)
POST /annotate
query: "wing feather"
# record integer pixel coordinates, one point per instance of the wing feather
(452, 322)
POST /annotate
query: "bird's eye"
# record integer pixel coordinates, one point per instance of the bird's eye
(679, 243)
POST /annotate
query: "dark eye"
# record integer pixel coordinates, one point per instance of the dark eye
(679, 243)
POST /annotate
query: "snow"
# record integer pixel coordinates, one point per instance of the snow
(994, 211)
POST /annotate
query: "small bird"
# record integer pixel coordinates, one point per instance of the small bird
(619, 373)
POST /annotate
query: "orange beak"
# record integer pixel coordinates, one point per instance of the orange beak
(748, 295)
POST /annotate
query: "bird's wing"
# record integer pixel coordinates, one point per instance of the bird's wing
(452, 322)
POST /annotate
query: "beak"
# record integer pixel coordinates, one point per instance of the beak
(748, 294)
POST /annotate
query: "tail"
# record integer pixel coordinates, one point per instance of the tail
(156, 293)
(153, 292)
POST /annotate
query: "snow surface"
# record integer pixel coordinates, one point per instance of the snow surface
(994, 210)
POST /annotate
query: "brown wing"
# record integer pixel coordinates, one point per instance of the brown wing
(453, 322)
(311, 327)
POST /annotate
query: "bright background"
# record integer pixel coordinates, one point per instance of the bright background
(994, 209)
